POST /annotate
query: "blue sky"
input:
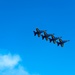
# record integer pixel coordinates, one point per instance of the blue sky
(18, 19)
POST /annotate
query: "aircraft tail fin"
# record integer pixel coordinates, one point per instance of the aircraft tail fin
(42, 37)
(34, 33)
(37, 29)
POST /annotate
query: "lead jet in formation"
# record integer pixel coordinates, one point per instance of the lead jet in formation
(46, 35)
(53, 39)
(38, 32)
(61, 42)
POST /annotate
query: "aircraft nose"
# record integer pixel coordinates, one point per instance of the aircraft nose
(68, 40)
(53, 34)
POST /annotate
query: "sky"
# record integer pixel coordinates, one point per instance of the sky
(22, 53)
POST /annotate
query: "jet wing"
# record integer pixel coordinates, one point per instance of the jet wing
(39, 35)
(52, 36)
(46, 38)
(62, 45)
(37, 29)
(60, 40)
(54, 41)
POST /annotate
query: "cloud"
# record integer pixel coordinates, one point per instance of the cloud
(10, 65)
(9, 61)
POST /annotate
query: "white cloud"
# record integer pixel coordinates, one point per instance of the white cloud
(9, 61)
(8, 65)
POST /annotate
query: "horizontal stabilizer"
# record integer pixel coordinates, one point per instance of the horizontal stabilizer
(57, 43)
(42, 37)
(50, 39)
(34, 33)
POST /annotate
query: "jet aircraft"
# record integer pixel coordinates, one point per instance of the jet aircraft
(61, 42)
(46, 35)
(38, 32)
(53, 39)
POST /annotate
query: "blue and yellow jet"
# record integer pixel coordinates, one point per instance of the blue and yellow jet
(53, 39)
(46, 35)
(38, 32)
(61, 42)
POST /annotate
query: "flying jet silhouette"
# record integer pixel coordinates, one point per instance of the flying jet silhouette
(53, 39)
(61, 42)
(38, 32)
(46, 35)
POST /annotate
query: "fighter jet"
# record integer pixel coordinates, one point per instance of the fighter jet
(53, 39)
(46, 36)
(61, 42)
(38, 32)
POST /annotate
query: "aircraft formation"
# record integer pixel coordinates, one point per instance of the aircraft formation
(50, 37)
